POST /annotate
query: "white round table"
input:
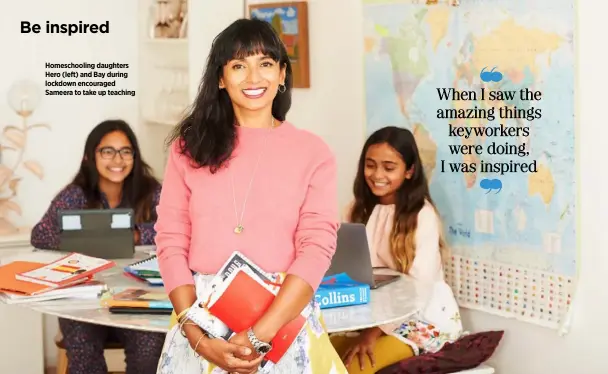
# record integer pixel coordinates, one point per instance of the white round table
(393, 302)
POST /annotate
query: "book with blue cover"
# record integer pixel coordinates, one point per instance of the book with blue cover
(340, 290)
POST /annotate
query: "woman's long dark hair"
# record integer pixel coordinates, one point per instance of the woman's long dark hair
(139, 186)
(410, 197)
(208, 132)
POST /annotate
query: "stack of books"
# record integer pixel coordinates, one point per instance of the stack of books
(137, 301)
(146, 271)
(68, 277)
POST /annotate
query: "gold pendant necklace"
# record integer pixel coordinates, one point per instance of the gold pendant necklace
(239, 219)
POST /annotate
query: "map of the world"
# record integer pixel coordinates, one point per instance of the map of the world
(412, 49)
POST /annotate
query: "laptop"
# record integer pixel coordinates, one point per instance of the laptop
(353, 257)
(101, 233)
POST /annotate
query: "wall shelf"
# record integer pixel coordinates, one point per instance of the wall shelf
(163, 80)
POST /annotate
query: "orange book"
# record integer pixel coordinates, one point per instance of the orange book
(10, 284)
(72, 269)
(244, 302)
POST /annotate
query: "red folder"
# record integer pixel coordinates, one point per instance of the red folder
(244, 302)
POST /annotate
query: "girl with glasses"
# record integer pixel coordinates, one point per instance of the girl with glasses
(112, 174)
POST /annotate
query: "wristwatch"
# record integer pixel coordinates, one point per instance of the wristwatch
(259, 346)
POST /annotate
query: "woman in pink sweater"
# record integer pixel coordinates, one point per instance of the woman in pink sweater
(240, 177)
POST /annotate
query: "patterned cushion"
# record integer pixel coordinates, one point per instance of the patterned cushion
(466, 353)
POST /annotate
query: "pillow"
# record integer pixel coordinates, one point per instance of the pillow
(466, 353)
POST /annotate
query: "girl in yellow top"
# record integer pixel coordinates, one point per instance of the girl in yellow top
(392, 199)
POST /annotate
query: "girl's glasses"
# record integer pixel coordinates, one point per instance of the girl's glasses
(108, 153)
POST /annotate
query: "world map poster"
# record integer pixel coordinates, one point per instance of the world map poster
(487, 88)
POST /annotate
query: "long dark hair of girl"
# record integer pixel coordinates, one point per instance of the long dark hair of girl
(410, 197)
(208, 134)
(139, 186)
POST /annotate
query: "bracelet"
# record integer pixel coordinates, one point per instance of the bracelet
(196, 346)
(182, 314)
(181, 327)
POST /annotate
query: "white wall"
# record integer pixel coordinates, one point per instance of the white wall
(71, 117)
(333, 107)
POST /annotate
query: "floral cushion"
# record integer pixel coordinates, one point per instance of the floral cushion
(465, 353)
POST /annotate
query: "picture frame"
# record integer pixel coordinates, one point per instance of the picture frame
(290, 21)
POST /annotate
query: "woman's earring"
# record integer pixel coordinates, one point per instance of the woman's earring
(282, 88)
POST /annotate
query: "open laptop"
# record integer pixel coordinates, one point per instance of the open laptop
(353, 257)
(102, 233)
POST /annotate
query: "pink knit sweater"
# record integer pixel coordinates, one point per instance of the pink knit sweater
(291, 216)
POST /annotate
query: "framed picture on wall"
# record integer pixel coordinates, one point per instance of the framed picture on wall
(290, 21)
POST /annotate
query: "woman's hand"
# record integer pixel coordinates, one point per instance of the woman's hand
(226, 355)
(363, 345)
(243, 340)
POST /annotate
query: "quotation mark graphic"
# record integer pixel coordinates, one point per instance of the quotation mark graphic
(490, 76)
(491, 184)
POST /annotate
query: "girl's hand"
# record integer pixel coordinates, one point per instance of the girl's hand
(364, 345)
(136, 236)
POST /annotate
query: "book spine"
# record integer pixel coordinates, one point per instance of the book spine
(138, 304)
(147, 273)
(333, 297)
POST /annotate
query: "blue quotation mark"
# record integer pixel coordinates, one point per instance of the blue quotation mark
(491, 184)
(490, 76)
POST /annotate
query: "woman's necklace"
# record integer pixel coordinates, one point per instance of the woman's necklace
(239, 219)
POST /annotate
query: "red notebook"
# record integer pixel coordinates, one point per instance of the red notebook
(244, 302)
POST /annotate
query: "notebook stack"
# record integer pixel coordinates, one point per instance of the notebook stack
(137, 301)
(146, 271)
(68, 277)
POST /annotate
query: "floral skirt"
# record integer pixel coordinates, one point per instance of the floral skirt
(311, 352)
